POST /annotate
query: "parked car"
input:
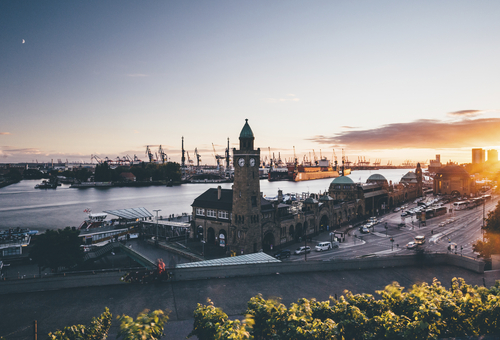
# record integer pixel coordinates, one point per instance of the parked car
(411, 245)
(364, 230)
(326, 246)
(285, 253)
(302, 250)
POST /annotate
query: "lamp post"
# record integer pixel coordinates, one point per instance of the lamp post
(156, 239)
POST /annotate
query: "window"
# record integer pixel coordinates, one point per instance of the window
(12, 251)
(254, 201)
(223, 214)
(200, 212)
(211, 213)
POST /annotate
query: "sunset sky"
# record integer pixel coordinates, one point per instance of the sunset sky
(394, 80)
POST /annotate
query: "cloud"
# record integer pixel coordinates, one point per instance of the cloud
(348, 127)
(5, 133)
(466, 113)
(137, 75)
(420, 134)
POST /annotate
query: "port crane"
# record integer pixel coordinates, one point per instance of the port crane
(98, 160)
(163, 155)
(217, 157)
(377, 162)
(335, 158)
(198, 157)
(228, 155)
(149, 154)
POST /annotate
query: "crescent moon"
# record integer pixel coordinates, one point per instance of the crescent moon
(24, 41)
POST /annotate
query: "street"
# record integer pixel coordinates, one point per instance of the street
(463, 228)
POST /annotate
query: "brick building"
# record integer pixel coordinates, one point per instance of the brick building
(241, 220)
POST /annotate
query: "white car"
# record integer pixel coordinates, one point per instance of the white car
(411, 245)
(326, 246)
(302, 250)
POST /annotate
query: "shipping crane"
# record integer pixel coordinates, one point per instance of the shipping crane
(217, 157)
(149, 154)
(315, 158)
(336, 163)
(198, 157)
(98, 160)
(183, 159)
(228, 155)
(163, 155)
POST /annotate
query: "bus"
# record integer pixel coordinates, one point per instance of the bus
(420, 239)
(461, 205)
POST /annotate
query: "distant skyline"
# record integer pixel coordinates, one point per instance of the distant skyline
(385, 80)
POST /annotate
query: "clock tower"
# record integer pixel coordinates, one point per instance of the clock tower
(246, 233)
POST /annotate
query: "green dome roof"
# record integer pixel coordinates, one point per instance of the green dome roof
(246, 132)
(342, 180)
(376, 177)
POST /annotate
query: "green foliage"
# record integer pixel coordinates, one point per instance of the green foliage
(14, 175)
(146, 326)
(491, 243)
(57, 248)
(102, 172)
(207, 321)
(97, 330)
(424, 312)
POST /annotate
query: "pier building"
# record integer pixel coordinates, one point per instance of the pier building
(242, 221)
(453, 180)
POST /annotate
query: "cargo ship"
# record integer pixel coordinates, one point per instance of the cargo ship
(305, 172)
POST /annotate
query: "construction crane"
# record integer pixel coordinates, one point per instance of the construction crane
(163, 155)
(198, 157)
(315, 158)
(149, 154)
(295, 161)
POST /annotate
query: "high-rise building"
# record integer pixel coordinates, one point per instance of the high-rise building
(478, 156)
(492, 156)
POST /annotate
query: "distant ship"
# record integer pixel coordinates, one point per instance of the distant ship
(306, 172)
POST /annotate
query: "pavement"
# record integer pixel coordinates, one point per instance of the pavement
(55, 309)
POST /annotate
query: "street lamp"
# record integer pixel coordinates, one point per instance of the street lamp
(156, 239)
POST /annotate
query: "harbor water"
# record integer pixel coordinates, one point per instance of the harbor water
(21, 205)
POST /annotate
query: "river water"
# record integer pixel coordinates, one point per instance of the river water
(39, 209)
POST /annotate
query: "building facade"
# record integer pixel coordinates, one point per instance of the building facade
(241, 221)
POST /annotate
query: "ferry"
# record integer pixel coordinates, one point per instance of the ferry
(96, 230)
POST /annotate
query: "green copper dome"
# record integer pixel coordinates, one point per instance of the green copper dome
(246, 132)
(342, 180)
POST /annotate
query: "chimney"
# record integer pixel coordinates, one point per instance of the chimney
(219, 192)
(280, 196)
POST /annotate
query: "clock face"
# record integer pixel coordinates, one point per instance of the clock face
(241, 161)
(252, 161)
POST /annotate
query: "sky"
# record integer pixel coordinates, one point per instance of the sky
(389, 80)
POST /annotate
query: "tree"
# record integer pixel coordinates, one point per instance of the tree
(102, 172)
(58, 248)
(423, 312)
(491, 243)
(147, 326)
(97, 330)
(207, 320)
